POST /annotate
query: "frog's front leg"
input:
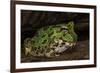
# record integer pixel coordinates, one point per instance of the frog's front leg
(51, 53)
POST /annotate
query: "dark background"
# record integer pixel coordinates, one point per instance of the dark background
(31, 21)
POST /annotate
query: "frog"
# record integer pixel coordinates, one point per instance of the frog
(51, 41)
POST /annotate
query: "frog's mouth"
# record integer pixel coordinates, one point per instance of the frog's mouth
(62, 46)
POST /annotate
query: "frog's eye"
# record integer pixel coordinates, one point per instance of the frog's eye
(64, 29)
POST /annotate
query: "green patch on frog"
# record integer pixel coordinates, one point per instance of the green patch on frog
(50, 41)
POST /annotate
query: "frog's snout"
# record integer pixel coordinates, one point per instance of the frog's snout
(63, 46)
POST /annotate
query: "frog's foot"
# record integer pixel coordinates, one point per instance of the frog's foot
(36, 53)
(51, 54)
(57, 55)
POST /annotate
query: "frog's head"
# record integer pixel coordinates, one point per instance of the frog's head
(67, 37)
(68, 32)
(69, 27)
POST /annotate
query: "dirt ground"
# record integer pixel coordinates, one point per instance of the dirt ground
(79, 52)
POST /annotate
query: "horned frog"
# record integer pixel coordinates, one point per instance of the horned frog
(50, 41)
